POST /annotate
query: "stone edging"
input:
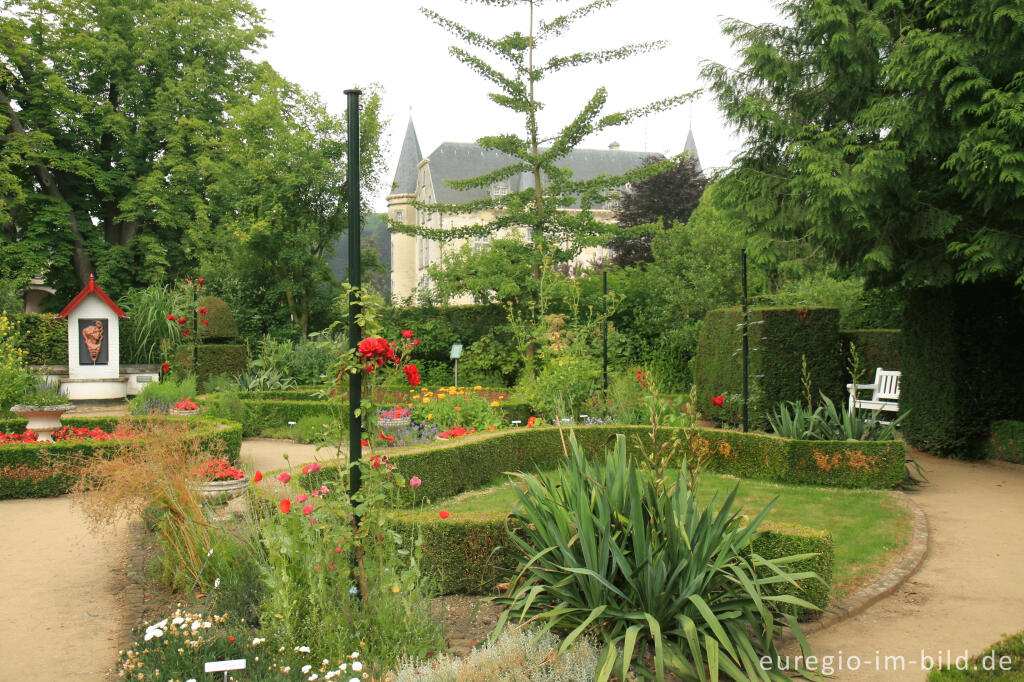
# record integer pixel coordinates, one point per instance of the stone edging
(895, 575)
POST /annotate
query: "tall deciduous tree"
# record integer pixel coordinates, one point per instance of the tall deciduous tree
(109, 112)
(665, 198)
(517, 76)
(886, 134)
(282, 186)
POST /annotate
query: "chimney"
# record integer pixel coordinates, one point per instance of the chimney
(613, 145)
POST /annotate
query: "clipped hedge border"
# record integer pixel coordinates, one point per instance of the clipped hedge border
(448, 469)
(471, 554)
(24, 472)
(1005, 441)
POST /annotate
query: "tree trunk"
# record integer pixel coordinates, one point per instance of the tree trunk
(79, 258)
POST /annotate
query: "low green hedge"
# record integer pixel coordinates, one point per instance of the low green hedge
(268, 411)
(448, 469)
(25, 472)
(471, 555)
(1004, 661)
(1005, 441)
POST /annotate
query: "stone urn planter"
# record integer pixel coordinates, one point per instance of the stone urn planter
(215, 496)
(42, 419)
(394, 422)
(183, 413)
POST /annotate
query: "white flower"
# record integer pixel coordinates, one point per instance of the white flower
(216, 583)
(306, 668)
(303, 649)
(206, 624)
(210, 553)
(152, 632)
(354, 679)
(178, 621)
(191, 679)
(162, 624)
(354, 654)
(286, 669)
(196, 624)
(343, 667)
(356, 666)
(313, 676)
(258, 640)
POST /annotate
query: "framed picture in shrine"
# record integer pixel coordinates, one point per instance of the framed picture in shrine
(92, 341)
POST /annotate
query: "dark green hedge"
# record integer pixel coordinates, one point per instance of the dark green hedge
(438, 328)
(962, 366)
(1002, 662)
(780, 338)
(222, 325)
(215, 359)
(257, 414)
(875, 348)
(24, 472)
(471, 554)
(45, 338)
(1006, 441)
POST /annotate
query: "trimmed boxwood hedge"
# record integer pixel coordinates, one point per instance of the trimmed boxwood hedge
(875, 348)
(962, 366)
(471, 555)
(269, 411)
(1006, 441)
(45, 338)
(25, 473)
(448, 469)
(780, 338)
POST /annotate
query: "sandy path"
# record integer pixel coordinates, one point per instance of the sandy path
(59, 614)
(969, 591)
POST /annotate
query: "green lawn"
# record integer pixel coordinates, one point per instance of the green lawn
(868, 526)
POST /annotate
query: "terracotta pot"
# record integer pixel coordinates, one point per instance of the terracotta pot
(42, 419)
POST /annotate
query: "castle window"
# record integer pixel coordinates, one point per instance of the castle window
(499, 189)
(400, 216)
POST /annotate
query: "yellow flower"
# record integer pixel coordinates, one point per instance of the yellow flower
(426, 400)
(395, 589)
(441, 396)
(495, 404)
(501, 397)
(430, 416)
(478, 388)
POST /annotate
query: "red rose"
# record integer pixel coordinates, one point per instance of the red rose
(206, 322)
(718, 400)
(182, 320)
(407, 333)
(165, 367)
(202, 311)
(170, 317)
(201, 280)
(412, 374)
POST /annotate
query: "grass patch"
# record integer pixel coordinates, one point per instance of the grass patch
(868, 526)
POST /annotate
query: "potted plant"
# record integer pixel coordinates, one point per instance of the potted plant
(217, 482)
(185, 406)
(42, 405)
(395, 417)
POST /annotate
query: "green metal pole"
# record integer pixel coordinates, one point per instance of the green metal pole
(746, 346)
(604, 331)
(355, 380)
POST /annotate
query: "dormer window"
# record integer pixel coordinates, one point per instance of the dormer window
(499, 189)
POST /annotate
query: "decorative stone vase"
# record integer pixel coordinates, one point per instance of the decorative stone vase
(42, 419)
(183, 413)
(223, 490)
(394, 422)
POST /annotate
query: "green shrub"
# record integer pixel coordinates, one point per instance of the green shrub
(222, 325)
(780, 340)
(1004, 661)
(826, 422)
(45, 339)
(606, 548)
(37, 469)
(962, 366)
(272, 414)
(14, 379)
(1006, 441)
(221, 359)
(147, 334)
(562, 387)
(875, 348)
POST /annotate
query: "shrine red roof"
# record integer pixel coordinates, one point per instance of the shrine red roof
(91, 288)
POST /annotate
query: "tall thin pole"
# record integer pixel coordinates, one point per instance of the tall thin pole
(604, 331)
(355, 380)
(746, 345)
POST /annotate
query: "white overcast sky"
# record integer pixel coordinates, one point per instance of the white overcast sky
(328, 46)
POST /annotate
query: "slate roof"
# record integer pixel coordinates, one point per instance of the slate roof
(408, 159)
(461, 160)
(691, 147)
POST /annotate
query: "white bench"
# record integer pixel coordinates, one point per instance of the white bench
(885, 393)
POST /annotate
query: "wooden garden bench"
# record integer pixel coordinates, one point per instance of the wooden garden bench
(885, 393)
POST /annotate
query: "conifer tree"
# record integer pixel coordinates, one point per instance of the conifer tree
(517, 76)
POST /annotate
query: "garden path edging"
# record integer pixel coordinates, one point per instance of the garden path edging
(895, 576)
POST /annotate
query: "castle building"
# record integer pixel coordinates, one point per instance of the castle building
(422, 179)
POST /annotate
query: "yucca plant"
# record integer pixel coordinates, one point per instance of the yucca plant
(792, 420)
(663, 582)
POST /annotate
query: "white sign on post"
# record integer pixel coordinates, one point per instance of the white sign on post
(224, 666)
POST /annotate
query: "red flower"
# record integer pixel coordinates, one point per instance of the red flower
(206, 322)
(201, 280)
(415, 342)
(231, 640)
(258, 476)
(305, 470)
(165, 367)
(390, 439)
(412, 374)
(284, 477)
(444, 514)
(718, 400)
(307, 510)
(170, 317)
(285, 505)
(407, 333)
(531, 421)
(182, 320)
(364, 443)
(186, 333)
(375, 461)
(202, 311)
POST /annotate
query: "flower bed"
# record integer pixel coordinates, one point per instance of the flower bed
(31, 469)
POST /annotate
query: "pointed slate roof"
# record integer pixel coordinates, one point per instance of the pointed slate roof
(691, 147)
(461, 160)
(91, 288)
(408, 160)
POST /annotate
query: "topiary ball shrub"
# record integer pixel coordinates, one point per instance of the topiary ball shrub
(222, 325)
